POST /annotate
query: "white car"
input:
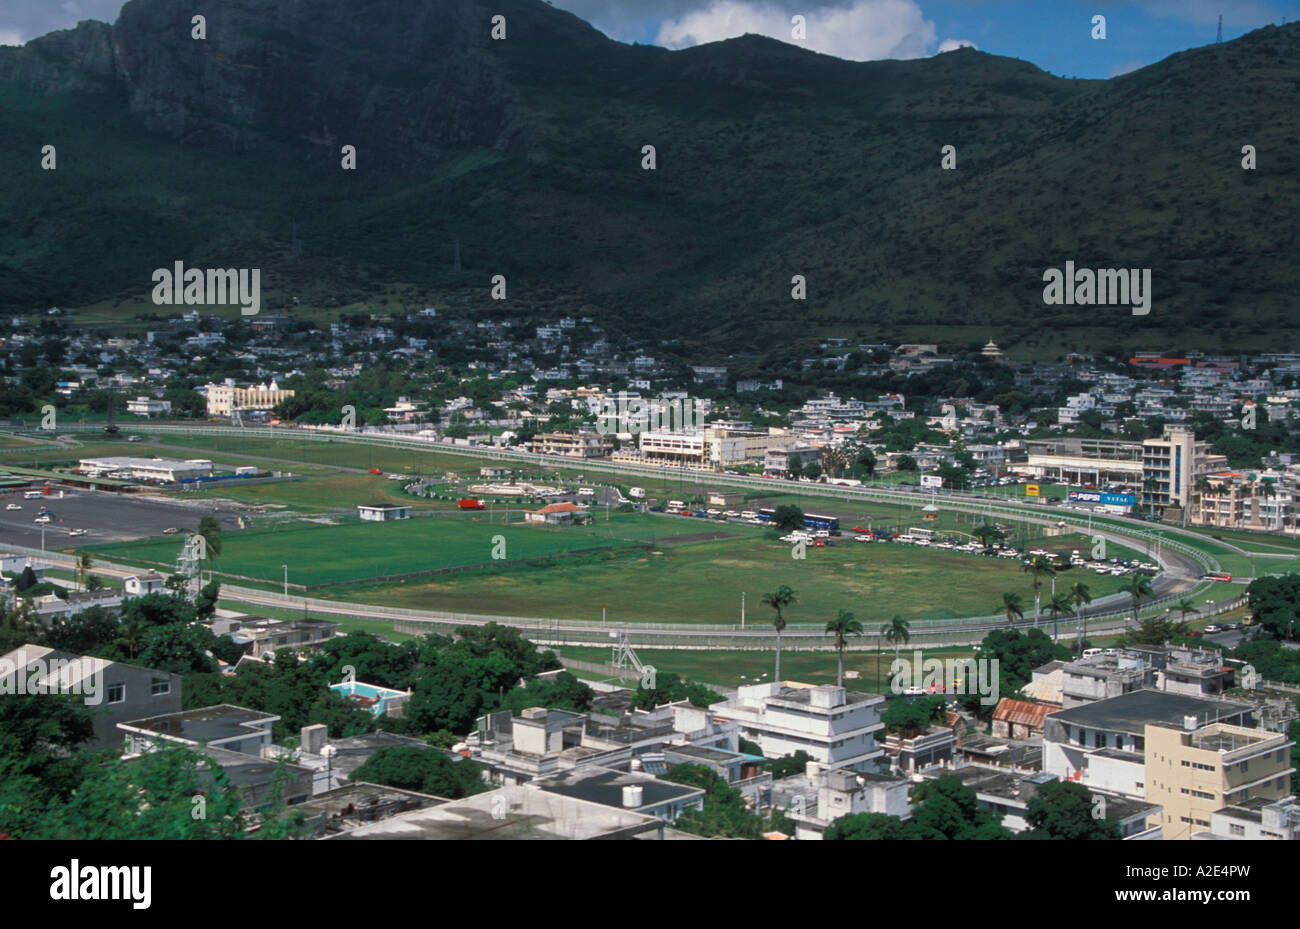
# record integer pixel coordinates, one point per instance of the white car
(77, 532)
(14, 506)
(41, 519)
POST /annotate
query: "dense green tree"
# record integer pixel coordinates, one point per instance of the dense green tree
(426, 770)
(1063, 810)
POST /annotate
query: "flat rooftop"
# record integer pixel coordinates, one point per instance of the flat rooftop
(207, 724)
(605, 786)
(510, 813)
(1132, 712)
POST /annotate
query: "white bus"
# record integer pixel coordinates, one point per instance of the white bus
(920, 535)
(636, 493)
(676, 505)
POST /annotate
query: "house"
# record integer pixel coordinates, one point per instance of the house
(843, 793)
(381, 701)
(558, 514)
(1020, 719)
(261, 637)
(234, 728)
(115, 691)
(380, 513)
(138, 585)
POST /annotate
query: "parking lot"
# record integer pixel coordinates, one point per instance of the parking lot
(106, 517)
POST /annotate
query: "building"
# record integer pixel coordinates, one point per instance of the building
(113, 690)
(581, 444)
(1085, 461)
(139, 585)
(1256, 819)
(626, 790)
(518, 812)
(261, 637)
(844, 793)
(558, 514)
(381, 701)
(233, 728)
(380, 513)
(1194, 771)
(1171, 466)
(151, 470)
(147, 406)
(225, 399)
(835, 727)
(912, 750)
(679, 449)
(1020, 719)
(779, 462)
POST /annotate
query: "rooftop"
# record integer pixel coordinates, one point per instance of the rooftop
(1132, 712)
(605, 786)
(207, 724)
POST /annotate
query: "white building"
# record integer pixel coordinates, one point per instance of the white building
(158, 470)
(834, 727)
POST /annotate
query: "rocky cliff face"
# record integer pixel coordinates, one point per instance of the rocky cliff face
(405, 81)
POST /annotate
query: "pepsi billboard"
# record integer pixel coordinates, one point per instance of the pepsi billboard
(1089, 496)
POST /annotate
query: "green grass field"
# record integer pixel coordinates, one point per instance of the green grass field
(702, 583)
(319, 554)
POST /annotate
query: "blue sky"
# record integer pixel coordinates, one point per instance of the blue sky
(1053, 34)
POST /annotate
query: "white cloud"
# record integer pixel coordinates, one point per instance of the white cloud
(862, 31)
(949, 45)
(10, 37)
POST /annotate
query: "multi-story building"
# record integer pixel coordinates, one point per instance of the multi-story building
(835, 727)
(1256, 819)
(1194, 772)
(580, 444)
(227, 398)
(147, 406)
(688, 449)
(1171, 465)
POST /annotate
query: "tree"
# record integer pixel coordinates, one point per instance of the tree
(1139, 589)
(178, 648)
(1012, 606)
(84, 563)
(778, 600)
(987, 535)
(131, 636)
(868, 827)
(897, 632)
(427, 770)
(789, 765)
(210, 531)
(1038, 568)
(1065, 810)
(788, 517)
(841, 626)
(1079, 597)
(1060, 603)
(205, 604)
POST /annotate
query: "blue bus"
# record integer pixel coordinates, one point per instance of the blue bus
(810, 520)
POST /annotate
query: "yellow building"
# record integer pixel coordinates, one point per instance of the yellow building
(1193, 772)
(224, 399)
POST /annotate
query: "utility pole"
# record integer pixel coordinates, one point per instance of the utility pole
(1218, 39)
(742, 609)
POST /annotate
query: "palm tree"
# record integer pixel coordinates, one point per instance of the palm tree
(780, 598)
(1060, 603)
(1038, 567)
(85, 561)
(131, 634)
(842, 625)
(897, 632)
(210, 531)
(1139, 588)
(1011, 605)
(1079, 596)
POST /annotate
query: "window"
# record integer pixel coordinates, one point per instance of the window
(116, 693)
(160, 686)
(1235, 829)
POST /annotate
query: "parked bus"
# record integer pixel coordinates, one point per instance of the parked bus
(810, 520)
(926, 535)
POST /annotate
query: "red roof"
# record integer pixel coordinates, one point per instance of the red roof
(1022, 712)
(560, 508)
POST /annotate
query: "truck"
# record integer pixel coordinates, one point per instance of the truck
(471, 504)
(636, 493)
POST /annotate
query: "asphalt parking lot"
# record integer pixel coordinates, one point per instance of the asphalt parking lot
(106, 517)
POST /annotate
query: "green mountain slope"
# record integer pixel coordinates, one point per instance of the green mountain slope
(772, 161)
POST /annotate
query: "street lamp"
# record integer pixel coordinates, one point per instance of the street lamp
(286, 579)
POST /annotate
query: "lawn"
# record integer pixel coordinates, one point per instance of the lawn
(351, 550)
(702, 583)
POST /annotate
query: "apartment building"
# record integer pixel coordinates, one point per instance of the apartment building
(226, 398)
(1194, 771)
(1255, 820)
(686, 449)
(836, 728)
(1171, 465)
(580, 444)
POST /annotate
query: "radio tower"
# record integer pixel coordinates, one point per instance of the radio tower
(1219, 38)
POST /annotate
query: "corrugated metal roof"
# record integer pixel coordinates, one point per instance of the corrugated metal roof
(1022, 712)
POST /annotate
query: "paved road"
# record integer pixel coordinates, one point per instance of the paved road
(107, 517)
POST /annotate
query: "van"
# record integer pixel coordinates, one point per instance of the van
(636, 493)
(32, 495)
(676, 505)
(1090, 652)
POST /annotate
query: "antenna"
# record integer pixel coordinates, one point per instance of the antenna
(1220, 36)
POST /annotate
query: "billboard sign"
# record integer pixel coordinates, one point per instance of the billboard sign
(931, 480)
(1089, 496)
(1031, 490)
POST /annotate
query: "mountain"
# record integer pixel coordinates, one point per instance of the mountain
(771, 161)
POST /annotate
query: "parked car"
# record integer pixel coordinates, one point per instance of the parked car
(1213, 628)
(77, 532)
(14, 506)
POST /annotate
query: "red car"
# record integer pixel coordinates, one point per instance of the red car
(376, 471)
(860, 529)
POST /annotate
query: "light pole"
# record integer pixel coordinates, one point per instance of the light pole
(286, 579)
